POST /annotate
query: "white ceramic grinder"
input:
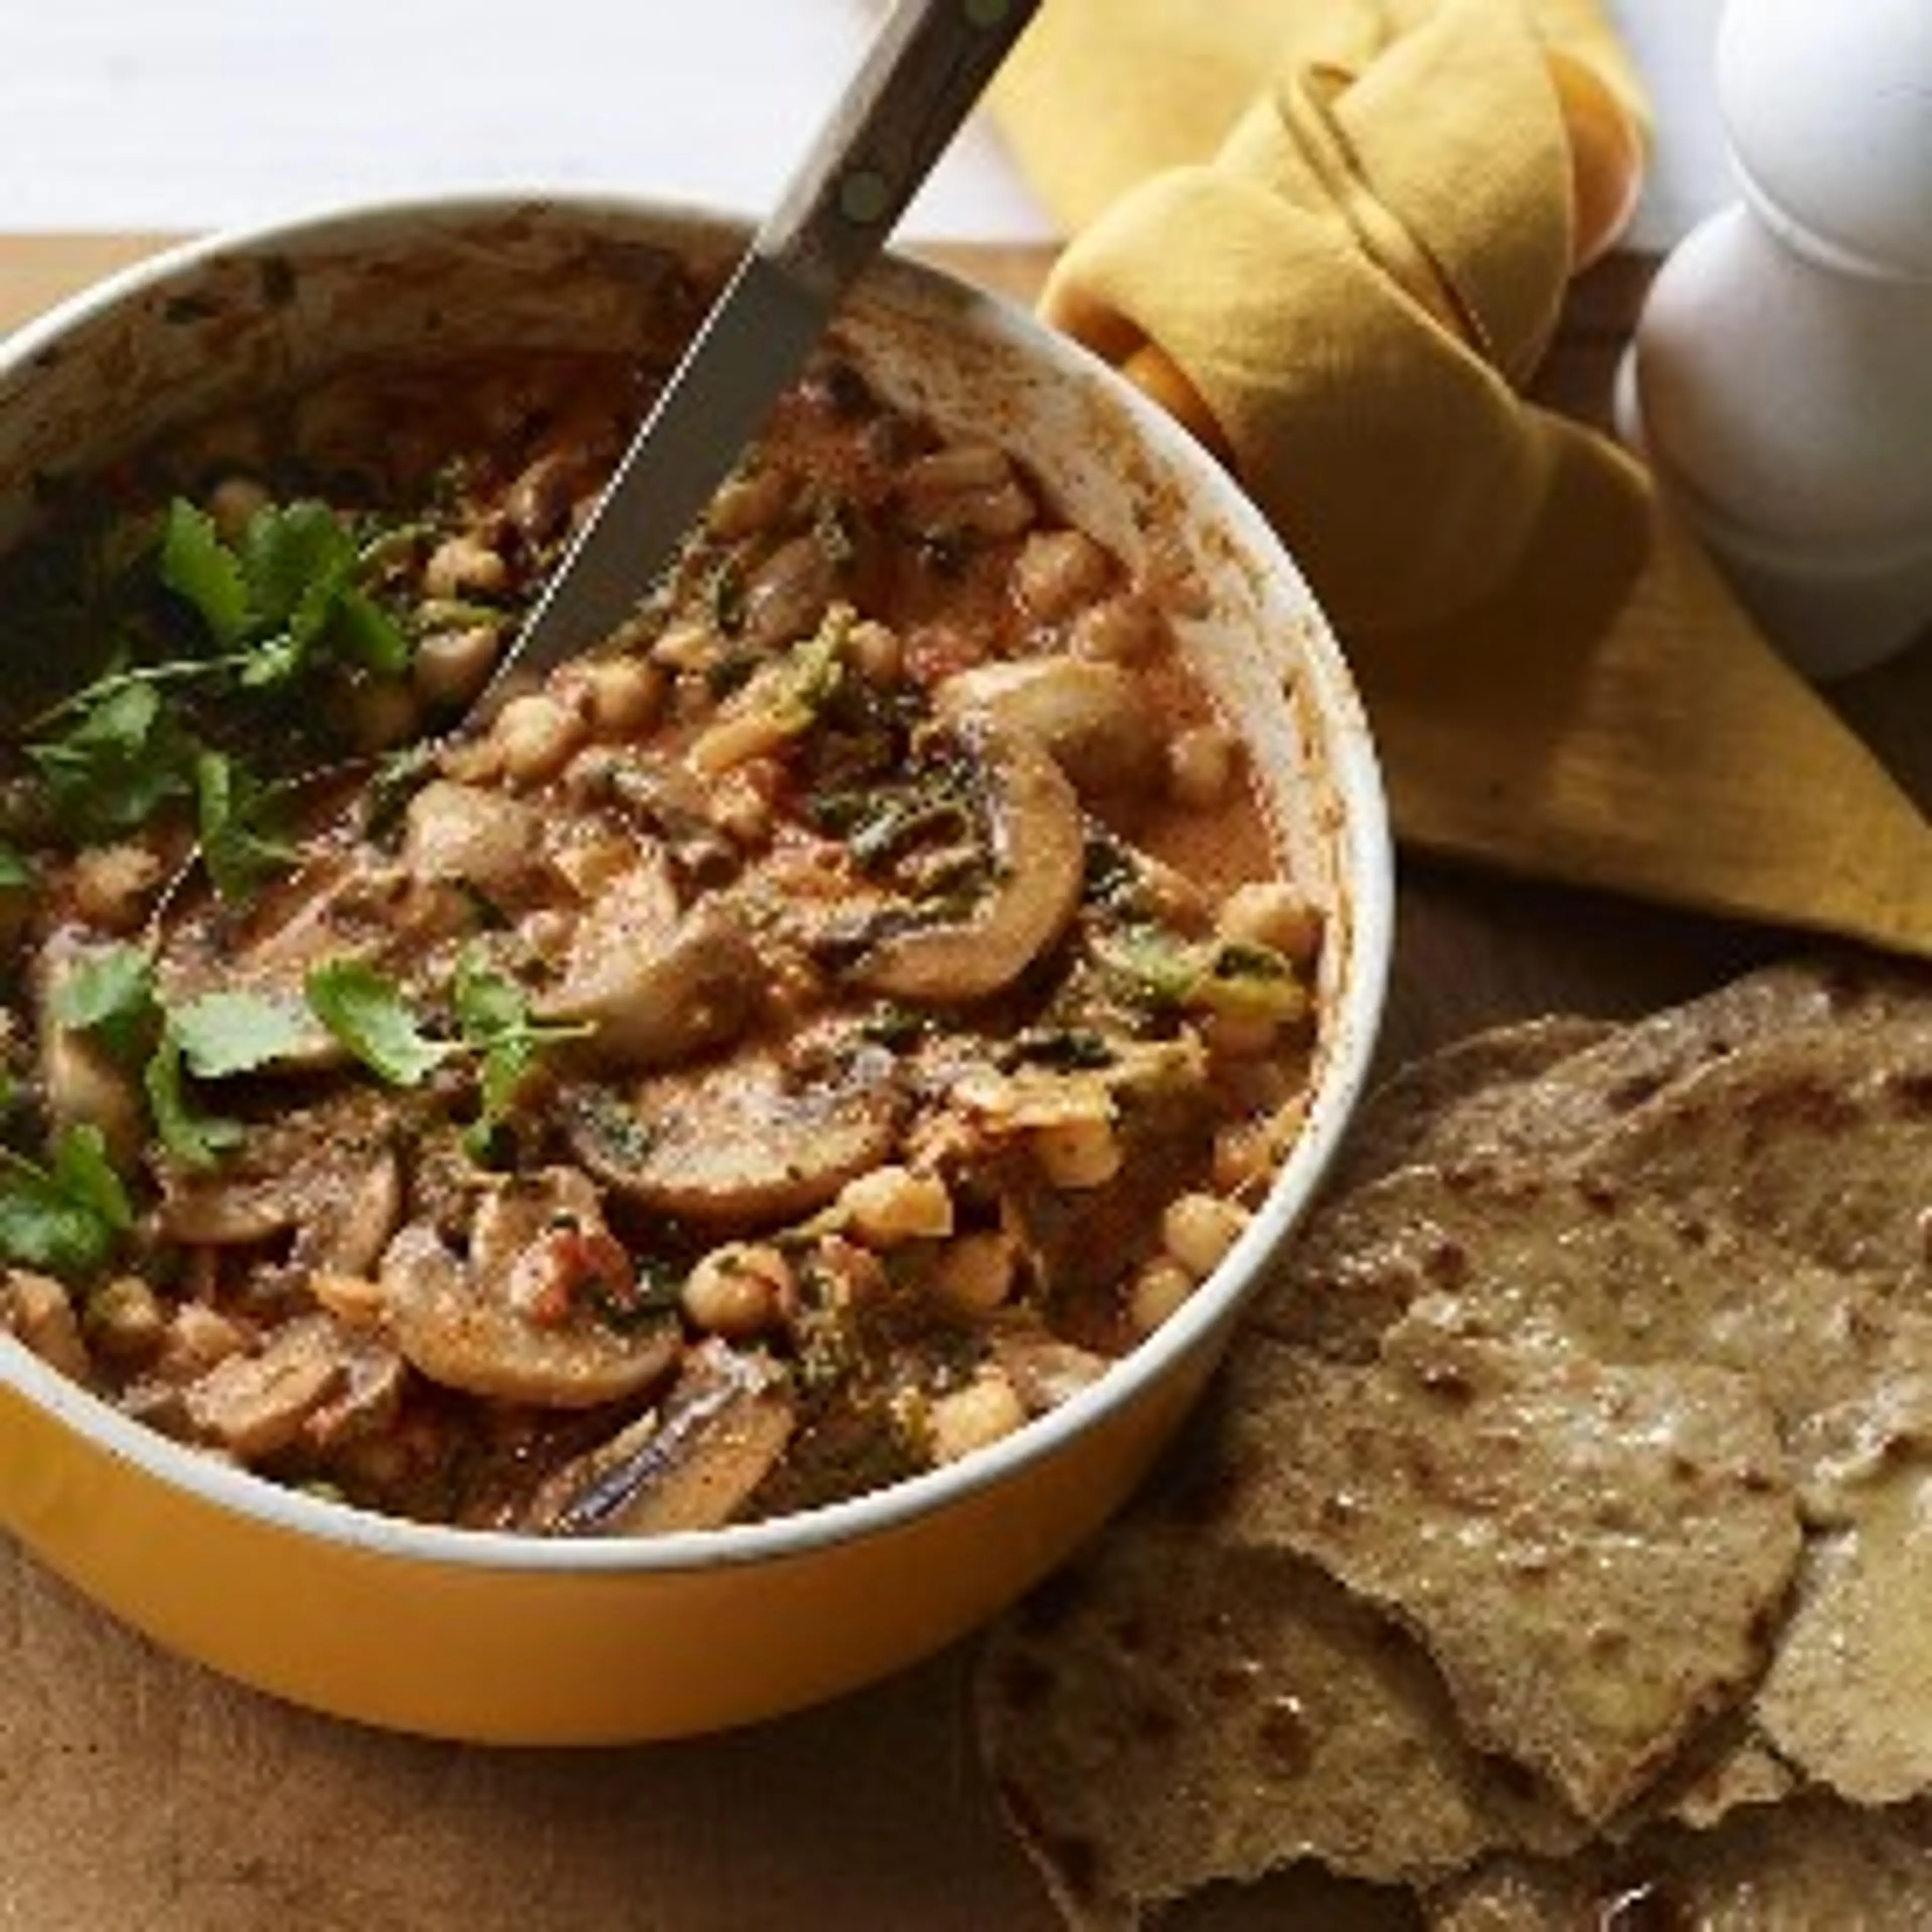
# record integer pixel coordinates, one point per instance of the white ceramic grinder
(1781, 378)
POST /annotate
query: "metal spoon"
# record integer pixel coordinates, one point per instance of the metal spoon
(927, 66)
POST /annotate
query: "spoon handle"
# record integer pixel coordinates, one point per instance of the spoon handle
(923, 72)
(928, 65)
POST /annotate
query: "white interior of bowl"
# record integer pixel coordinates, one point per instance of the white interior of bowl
(218, 322)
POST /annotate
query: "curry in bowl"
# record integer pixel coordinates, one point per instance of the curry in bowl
(786, 1050)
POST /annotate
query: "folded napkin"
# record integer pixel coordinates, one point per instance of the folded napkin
(1336, 237)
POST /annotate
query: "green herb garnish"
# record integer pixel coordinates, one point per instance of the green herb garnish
(494, 1015)
(365, 1009)
(69, 1217)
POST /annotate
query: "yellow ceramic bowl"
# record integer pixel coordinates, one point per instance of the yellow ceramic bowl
(510, 1638)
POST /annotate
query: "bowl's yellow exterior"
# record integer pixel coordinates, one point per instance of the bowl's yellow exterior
(548, 1655)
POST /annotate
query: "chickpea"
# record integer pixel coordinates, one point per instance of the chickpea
(1202, 763)
(975, 1417)
(1159, 1291)
(975, 1274)
(537, 735)
(1244, 1152)
(463, 566)
(1242, 1036)
(233, 504)
(198, 1337)
(748, 503)
(472, 760)
(892, 1205)
(741, 803)
(1270, 913)
(451, 666)
(876, 652)
(625, 696)
(739, 1291)
(1078, 1154)
(687, 647)
(123, 1318)
(1197, 1230)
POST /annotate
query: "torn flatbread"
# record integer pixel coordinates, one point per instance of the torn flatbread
(1175, 1712)
(1594, 1555)
(1805, 1866)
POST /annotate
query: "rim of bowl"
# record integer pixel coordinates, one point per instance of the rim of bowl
(1364, 863)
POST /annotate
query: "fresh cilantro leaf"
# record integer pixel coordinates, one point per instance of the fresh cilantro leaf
(296, 557)
(124, 759)
(15, 868)
(488, 1004)
(271, 661)
(197, 565)
(67, 1218)
(233, 811)
(194, 1137)
(109, 992)
(365, 1010)
(495, 1019)
(360, 631)
(82, 1169)
(223, 1033)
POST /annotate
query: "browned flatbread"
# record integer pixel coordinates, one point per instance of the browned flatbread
(1583, 1094)
(1592, 1554)
(1810, 1865)
(1176, 1711)
(1819, 1140)
(1425, 1105)
(1601, 1382)
(1519, 1248)
(1848, 1699)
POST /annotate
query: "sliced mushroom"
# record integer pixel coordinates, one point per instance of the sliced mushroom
(257, 1404)
(750, 1140)
(788, 593)
(38, 1309)
(690, 1464)
(328, 1173)
(1039, 857)
(513, 1319)
(1094, 718)
(657, 984)
(1045, 1371)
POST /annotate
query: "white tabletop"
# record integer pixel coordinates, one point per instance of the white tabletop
(188, 114)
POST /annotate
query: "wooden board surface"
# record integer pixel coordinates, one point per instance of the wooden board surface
(136, 1791)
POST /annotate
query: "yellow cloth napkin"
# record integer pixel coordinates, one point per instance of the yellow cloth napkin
(1339, 234)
